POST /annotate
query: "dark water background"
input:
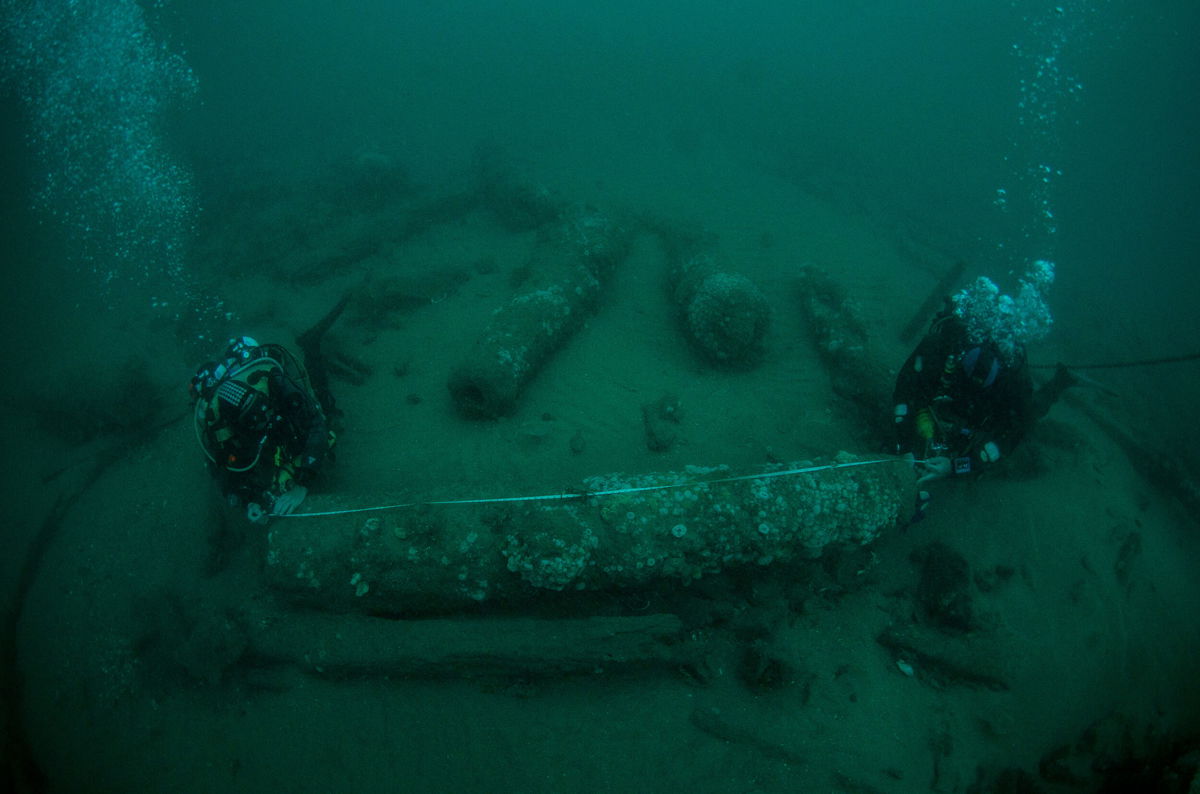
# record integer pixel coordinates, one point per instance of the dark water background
(910, 109)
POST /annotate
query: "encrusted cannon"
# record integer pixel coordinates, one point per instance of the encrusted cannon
(835, 320)
(580, 253)
(618, 532)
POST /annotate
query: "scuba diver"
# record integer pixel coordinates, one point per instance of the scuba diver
(960, 406)
(262, 427)
(964, 399)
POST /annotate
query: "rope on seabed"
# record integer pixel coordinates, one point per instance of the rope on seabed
(563, 497)
(1147, 362)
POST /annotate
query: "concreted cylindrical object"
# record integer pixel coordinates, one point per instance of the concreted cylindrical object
(625, 532)
(579, 253)
(839, 331)
(724, 314)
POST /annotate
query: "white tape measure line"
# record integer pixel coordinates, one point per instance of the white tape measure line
(562, 497)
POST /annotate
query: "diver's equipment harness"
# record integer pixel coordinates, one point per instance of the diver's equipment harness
(244, 386)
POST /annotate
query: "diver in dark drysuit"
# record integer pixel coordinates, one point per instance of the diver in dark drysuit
(261, 426)
(961, 406)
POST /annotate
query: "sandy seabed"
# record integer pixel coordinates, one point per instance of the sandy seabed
(1090, 628)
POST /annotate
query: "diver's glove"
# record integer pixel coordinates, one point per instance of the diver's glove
(934, 468)
(255, 514)
(288, 501)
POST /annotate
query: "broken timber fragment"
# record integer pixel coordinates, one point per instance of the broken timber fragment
(962, 659)
(933, 302)
(350, 645)
(638, 531)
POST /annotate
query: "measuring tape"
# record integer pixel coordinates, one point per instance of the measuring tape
(564, 497)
